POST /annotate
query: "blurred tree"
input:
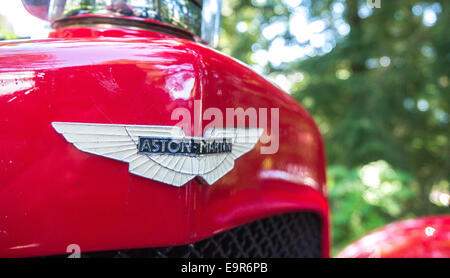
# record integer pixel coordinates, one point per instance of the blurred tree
(376, 80)
(6, 31)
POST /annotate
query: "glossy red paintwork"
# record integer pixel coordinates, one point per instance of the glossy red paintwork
(53, 195)
(416, 238)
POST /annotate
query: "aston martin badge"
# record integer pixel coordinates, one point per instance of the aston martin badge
(164, 153)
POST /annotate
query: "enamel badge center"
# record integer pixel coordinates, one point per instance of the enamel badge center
(164, 153)
(154, 145)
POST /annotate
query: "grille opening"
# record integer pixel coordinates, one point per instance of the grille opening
(290, 235)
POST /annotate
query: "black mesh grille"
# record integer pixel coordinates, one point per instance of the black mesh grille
(291, 235)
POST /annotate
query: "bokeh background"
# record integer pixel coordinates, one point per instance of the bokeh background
(376, 80)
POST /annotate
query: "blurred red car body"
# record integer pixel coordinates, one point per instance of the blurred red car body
(427, 237)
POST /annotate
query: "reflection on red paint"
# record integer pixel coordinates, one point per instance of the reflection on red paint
(416, 238)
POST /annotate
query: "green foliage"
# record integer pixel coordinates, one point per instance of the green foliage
(6, 32)
(365, 198)
(379, 95)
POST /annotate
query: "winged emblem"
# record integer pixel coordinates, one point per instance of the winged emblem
(164, 153)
